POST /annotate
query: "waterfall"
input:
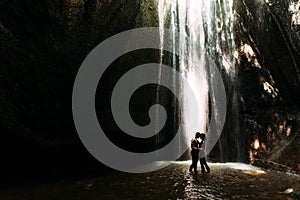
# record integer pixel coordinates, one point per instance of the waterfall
(203, 27)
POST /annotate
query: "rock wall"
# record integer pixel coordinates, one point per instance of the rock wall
(42, 45)
(269, 84)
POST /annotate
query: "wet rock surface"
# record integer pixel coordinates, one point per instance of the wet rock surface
(268, 60)
(42, 45)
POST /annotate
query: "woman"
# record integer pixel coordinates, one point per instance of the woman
(203, 162)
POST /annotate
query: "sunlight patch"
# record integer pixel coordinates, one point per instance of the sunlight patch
(254, 172)
(294, 9)
(239, 166)
(270, 89)
(247, 50)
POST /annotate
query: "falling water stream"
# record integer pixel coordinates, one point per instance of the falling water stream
(174, 15)
(200, 28)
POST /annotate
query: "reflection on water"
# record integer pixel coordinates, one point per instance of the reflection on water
(226, 181)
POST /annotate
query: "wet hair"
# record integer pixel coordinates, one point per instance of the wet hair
(202, 136)
(197, 135)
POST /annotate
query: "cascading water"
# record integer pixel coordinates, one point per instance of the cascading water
(183, 19)
(203, 27)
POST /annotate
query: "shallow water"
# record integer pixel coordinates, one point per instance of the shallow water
(226, 181)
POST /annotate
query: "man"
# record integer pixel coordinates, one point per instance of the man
(202, 155)
(195, 145)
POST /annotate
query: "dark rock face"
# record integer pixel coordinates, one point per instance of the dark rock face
(287, 14)
(269, 83)
(42, 44)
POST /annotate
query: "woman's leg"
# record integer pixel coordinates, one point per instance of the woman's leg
(202, 164)
(207, 167)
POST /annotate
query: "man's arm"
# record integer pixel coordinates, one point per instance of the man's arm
(195, 144)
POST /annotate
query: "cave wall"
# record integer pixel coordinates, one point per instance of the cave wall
(268, 59)
(42, 45)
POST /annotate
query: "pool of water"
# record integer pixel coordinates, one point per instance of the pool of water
(226, 181)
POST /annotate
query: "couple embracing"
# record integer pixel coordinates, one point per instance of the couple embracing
(198, 147)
